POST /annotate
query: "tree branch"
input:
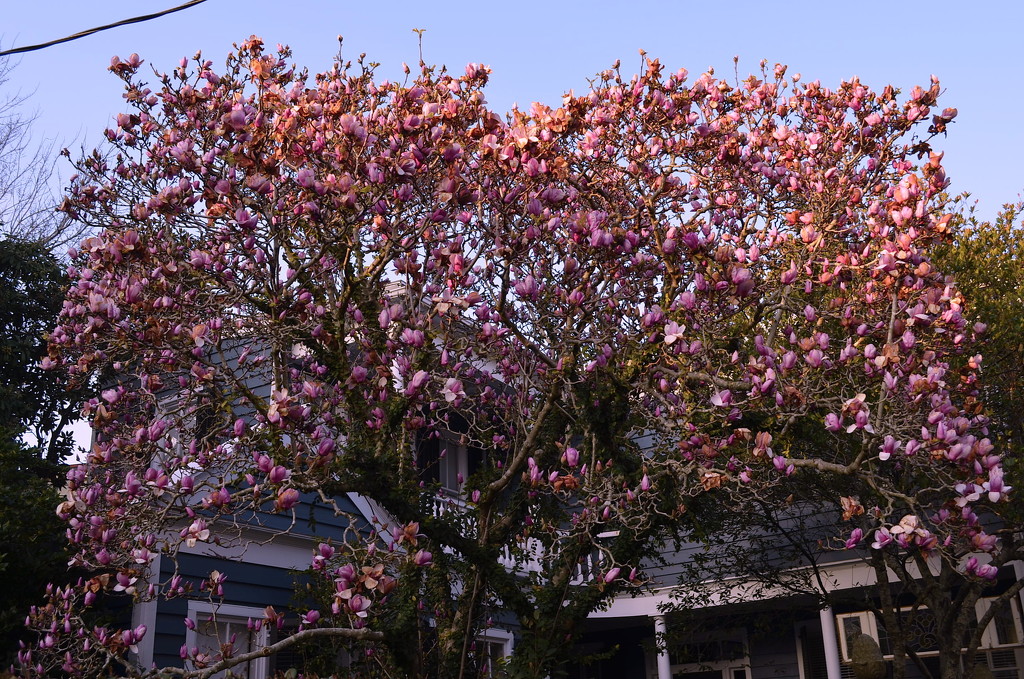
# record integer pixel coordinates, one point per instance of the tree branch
(227, 663)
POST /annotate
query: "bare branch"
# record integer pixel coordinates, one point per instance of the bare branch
(266, 651)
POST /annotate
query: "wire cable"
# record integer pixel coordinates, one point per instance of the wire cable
(90, 31)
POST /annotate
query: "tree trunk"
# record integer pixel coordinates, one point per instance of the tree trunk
(950, 664)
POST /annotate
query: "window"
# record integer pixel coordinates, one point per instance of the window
(444, 457)
(227, 627)
(919, 625)
(323, 654)
(1005, 628)
(849, 625)
(709, 655)
(706, 652)
(922, 635)
(490, 649)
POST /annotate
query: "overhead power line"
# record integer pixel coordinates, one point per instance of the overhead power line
(90, 31)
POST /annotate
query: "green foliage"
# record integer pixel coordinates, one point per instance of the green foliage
(987, 262)
(34, 405)
(32, 543)
(31, 293)
(866, 657)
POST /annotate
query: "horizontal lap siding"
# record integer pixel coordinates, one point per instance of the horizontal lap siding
(312, 518)
(250, 583)
(247, 584)
(809, 526)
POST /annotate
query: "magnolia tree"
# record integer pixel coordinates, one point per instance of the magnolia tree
(301, 285)
(942, 584)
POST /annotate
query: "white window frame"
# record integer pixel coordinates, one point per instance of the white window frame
(868, 626)
(452, 464)
(727, 667)
(144, 613)
(498, 636)
(200, 611)
(989, 639)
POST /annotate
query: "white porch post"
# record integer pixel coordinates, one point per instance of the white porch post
(660, 635)
(1018, 573)
(144, 613)
(828, 636)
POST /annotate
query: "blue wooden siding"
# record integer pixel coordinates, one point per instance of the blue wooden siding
(248, 584)
(312, 518)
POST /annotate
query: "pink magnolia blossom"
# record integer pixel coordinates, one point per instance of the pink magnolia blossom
(722, 398)
(196, 532)
(286, 499)
(882, 538)
(995, 486)
(452, 390)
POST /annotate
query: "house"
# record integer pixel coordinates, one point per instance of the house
(741, 632)
(743, 629)
(262, 567)
(262, 559)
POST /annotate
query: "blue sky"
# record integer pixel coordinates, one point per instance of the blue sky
(540, 50)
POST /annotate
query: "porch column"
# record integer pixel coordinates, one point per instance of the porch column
(828, 636)
(1018, 573)
(660, 638)
(144, 613)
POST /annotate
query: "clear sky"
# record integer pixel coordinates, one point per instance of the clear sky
(539, 50)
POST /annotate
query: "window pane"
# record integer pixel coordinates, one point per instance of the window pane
(716, 674)
(924, 631)
(493, 652)
(214, 636)
(474, 460)
(1006, 630)
(428, 457)
(449, 466)
(920, 632)
(708, 651)
(851, 628)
